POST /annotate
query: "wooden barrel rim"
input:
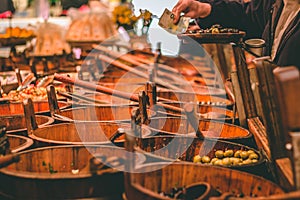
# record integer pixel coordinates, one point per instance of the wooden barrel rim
(228, 113)
(28, 142)
(220, 99)
(152, 113)
(246, 136)
(66, 105)
(39, 139)
(260, 160)
(138, 186)
(50, 120)
(57, 176)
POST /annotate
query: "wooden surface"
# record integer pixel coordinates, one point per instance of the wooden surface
(210, 129)
(80, 133)
(259, 132)
(185, 148)
(155, 178)
(40, 107)
(62, 172)
(285, 173)
(271, 110)
(204, 38)
(19, 143)
(16, 124)
(287, 81)
(238, 99)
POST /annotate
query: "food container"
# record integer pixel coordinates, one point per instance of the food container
(16, 124)
(150, 180)
(64, 172)
(209, 128)
(192, 149)
(19, 143)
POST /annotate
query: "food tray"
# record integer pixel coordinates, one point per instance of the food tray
(212, 37)
(80, 43)
(13, 41)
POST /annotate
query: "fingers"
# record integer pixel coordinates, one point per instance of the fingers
(176, 11)
(181, 6)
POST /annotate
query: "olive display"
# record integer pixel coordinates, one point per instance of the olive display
(229, 157)
(215, 29)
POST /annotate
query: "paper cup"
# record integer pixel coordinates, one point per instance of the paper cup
(256, 46)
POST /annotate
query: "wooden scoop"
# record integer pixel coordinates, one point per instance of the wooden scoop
(193, 119)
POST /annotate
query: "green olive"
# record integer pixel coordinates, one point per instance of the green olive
(215, 30)
(219, 154)
(253, 156)
(250, 151)
(247, 162)
(197, 159)
(237, 154)
(235, 161)
(218, 162)
(213, 160)
(228, 153)
(205, 159)
(226, 161)
(244, 155)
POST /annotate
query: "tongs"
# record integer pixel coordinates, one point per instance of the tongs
(28, 79)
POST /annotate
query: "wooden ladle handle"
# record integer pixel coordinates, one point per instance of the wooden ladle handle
(193, 119)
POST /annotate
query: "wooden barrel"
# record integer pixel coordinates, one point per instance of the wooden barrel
(206, 112)
(209, 128)
(63, 172)
(163, 177)
(40, 107)
(187, 148)
(105, 112)
(81, 133)
(18, 143)
(16, 124)
(202, 99)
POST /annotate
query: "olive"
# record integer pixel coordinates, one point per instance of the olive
(250, 151)
(213, 160)
(228, 153)
(253, 156)
(205, 159)
(219, 154)
(244, 155)
(247, 162)
(197, 159)
(237, 154)
(215, 30)
(201, 31)
(224, 30)
(226, 161)
(218, 162)
(235, 161)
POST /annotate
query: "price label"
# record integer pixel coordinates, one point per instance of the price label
(20, 48)
(4, 52)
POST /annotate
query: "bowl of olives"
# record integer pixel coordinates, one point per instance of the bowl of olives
(229, 157)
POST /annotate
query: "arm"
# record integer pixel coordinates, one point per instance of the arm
(250, 17)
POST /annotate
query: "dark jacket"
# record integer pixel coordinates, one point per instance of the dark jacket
(259, 19)
(66, 4)
(7, 5)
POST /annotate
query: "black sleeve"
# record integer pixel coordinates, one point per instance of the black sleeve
(66, 4)
(250, 17)
(11, 6)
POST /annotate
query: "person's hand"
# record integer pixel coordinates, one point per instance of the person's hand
(191, 8)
